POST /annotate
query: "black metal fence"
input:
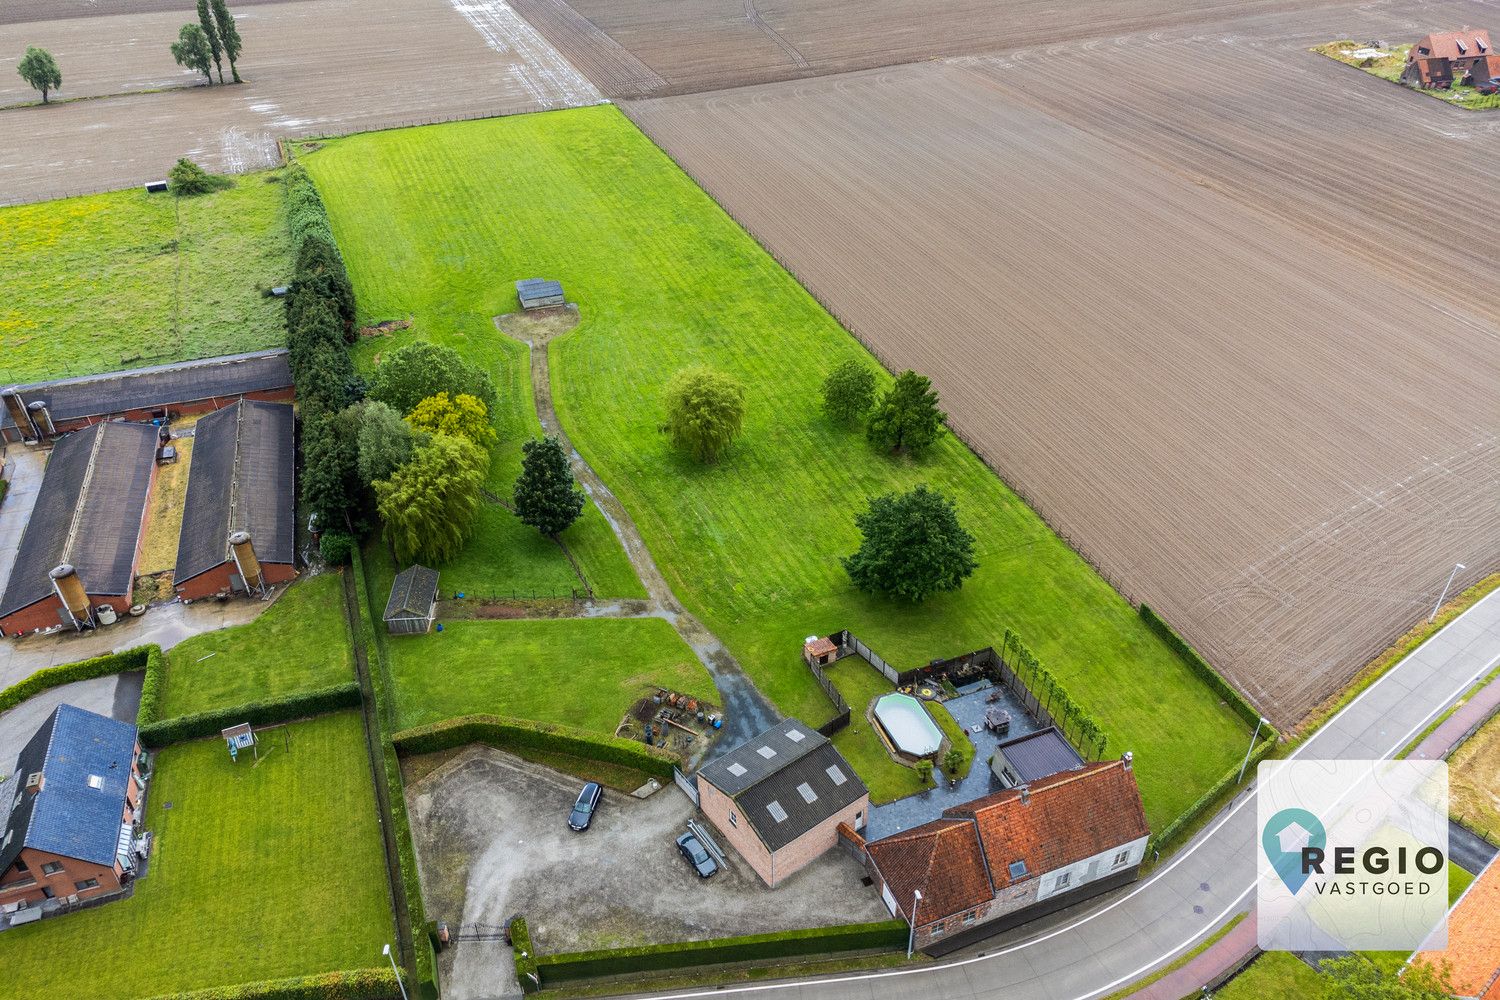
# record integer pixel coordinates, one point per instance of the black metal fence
(841, 712)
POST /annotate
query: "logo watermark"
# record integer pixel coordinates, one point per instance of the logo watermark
(1353, 855)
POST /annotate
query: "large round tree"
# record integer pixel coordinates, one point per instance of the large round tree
(913, 546)
(705, 411)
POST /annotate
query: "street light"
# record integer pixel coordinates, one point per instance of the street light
(1439, 604)
(1262, 721)
(911, 939)
(387, 952)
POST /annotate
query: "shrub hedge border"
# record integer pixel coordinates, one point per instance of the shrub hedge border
(319, 701)
(1209, 799)
(347, 984)
(886, 935)
(524, 952)
(1202, 667)
(506, 733)
(136, 658)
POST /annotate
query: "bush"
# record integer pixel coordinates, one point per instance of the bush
(260, 713)
(508, 734)
(81, 670)
(887, 935)
(1200, 666)
(187, 178)
(420, 369)
(351, 984)
(156, 676)
(527, 973)
(335, 547)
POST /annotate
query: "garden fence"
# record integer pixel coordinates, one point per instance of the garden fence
(841, 713)
(848, 641)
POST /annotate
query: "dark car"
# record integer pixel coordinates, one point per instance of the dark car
(584, 809)
(697, 856)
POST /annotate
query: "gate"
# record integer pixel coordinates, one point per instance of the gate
(688, 785)
(479, 932)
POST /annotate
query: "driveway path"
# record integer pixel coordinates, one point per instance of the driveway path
(1097, 948)
(23, 467)
(746, 711)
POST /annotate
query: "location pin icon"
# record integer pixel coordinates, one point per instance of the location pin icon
(1283, 839)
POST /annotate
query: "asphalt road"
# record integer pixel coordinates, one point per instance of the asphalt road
(1094, 951)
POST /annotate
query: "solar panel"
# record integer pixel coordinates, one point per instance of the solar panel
(777, 813)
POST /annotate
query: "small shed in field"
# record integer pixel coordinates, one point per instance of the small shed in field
(538, 293)
(413, 604)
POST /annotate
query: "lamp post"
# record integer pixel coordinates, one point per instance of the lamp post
(911, 938)
(387, 952)
(1262, 721)
(1444, 594)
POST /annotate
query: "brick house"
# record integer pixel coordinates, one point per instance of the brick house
(1472, 954)
(88, 518)
(1015, 855)
(40, 410)
(1485, 73)
(780, 797)
(239, 514)
(73, 812)
(1438, 59)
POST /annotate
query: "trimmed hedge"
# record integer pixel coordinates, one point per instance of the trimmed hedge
(1201, 667)
(156, 676)
(1209, 799)
(506, 734)
(81, 670)
(351, 984)
(887, 935)
(527, 973)
(260, 713)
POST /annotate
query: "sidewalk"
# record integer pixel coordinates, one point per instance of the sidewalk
(1458, 726)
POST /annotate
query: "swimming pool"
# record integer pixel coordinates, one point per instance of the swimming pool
(907, 725)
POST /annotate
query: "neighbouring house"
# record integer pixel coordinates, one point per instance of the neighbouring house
(73, 812)
(79, 550)
(1012, 856)
(538, 293)
(239, 514)
(39, 411)
(780, 797)
(1438, 59)
(412, 607)
(1473, 951)
(1485, 73)
(1033, 757)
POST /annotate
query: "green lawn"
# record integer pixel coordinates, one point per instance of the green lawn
(124, 279)
(300, 643)
(957, 738)
(665, 279)
(577, 672)
(256, 873)
(1274, 974)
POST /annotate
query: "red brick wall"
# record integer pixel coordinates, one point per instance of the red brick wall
(774, 868)
(44, 613)
(216, 580)
(16, 885)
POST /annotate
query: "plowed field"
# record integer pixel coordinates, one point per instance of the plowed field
(1227, 327)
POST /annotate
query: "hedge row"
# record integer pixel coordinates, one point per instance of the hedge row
(156, 676)
(352, 984)
(1075, 723)
(81, 670)
(886, 935)
(1209, 799)
(1200, 666)
(521, 734)
(524, 953)
(260, 713)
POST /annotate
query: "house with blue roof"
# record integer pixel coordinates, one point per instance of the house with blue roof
(74, 804)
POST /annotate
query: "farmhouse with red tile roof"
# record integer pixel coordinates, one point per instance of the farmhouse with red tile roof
(1444, 56)
(1473, 952)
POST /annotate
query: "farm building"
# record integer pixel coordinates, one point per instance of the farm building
(78, 789)
(84, 534)
(1032, 757)
(1484, 71)
(412, 607)
(1438, 59)
(538, 293)
(41, 410)
(239, 515)
(1012, 856)
(780, 797)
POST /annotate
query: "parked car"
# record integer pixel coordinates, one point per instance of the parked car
(584, 809)
(692, 849)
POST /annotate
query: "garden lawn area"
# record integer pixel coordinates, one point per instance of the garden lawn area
(957, 738)
(127, 279)
(860, 744)
(300, 643)
(1474, 780)
(665, 279)
(1274, 974)
(257, 872)
(581, 672)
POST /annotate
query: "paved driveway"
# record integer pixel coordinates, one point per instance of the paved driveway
(23, 467)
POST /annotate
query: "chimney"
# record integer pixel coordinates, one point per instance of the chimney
(1025, 795)
(1129, 759)
(71, 592)
(42, 420)
(16, 406)
(245, 561)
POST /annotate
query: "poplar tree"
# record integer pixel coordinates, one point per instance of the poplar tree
(206, 22)
(229, 35)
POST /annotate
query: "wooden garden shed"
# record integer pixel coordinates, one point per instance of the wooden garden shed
(538, 293)
(413, 605)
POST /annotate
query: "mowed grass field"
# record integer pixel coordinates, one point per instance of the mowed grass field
(665, 279)
(257, 872)
(127, 279)
(300, 643)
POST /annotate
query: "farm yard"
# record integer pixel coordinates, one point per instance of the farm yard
(1237, 370)
(751, 544)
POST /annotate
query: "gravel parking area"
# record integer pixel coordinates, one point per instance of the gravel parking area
(493, 841)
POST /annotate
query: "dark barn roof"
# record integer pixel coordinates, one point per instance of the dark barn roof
(1040, 754)
(538, 288)
(68, 816)
(159, 385)
(88, 513)
(786, 781)
(241, 479)
(412, 593)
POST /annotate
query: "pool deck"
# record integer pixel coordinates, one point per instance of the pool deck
(968, 709)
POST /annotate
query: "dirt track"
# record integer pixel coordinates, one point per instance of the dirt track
(1223, 327)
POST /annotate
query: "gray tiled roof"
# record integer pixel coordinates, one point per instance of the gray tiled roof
(412, 593)
(159, 385)
(242, 478)
(538, 288)
(1040, 754)
(68, 816)
(88, 513)
(749, 762)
